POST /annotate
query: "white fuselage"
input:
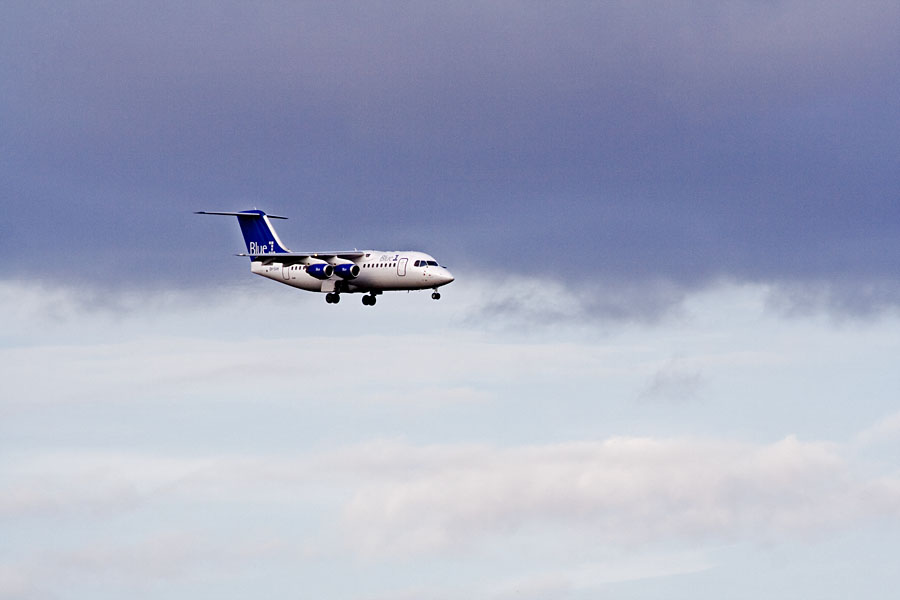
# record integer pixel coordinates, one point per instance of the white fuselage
(379, 271)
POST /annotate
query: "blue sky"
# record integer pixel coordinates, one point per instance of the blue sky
(667, 366)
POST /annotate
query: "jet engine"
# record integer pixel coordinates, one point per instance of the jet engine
(347, 271)
(320, 270)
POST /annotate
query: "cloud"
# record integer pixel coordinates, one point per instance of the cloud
(138, 565)
(628, 154)
(131, 427)
(528, 304)
(583, 513)
(862, 298)
(91, 494)
(89, 484)
(885, 430)
(17, 585)
(123, 350)
(403, 499)
(622, 491)
(676, 380)
(591, 576)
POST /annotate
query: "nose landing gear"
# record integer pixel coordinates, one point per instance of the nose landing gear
(435, 296)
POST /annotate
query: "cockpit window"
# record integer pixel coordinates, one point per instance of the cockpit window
(433, 263)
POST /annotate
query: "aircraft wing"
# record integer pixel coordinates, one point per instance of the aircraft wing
(290, 258)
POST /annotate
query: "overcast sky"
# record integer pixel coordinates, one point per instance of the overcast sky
(668, 366)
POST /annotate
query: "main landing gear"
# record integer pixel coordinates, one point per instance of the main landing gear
(332, 298)
(369, 300)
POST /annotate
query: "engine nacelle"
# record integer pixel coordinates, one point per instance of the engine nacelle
(347, 271)
(320, 270)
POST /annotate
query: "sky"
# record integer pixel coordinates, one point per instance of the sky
(667, 366)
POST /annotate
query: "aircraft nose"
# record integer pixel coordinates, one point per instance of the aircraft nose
(446, 277)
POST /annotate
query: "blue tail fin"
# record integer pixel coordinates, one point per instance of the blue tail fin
(259, 235)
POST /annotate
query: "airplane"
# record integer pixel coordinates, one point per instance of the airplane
(370, 272)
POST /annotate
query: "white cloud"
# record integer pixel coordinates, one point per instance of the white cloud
(675, 381)
(885, 430)
(589, 576)
(177, 345)
(137, 563)
(622, 490)
(443, 444)
(15, 584)
(88, 484)
(165, 555)
(402, 498)
(388, 501)
(41, 496)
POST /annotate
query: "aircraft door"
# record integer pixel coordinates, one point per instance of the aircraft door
(401, 267)
(286, 272)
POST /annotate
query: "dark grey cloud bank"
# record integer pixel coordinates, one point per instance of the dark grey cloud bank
(671, 143)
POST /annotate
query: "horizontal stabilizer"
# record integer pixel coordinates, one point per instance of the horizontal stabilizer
(236, 214)
(259, 235)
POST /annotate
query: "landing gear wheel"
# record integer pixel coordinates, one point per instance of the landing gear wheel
(368, 300)
(435, 296)
(332, 298)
